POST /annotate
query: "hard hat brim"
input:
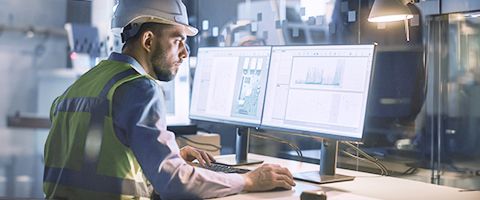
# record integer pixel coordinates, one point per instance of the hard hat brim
(158, 11)
(190, 30)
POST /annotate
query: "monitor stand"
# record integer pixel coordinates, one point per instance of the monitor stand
(241, 150)
(328, 164)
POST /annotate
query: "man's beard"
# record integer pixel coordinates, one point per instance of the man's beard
(164, 75)
(161, 67)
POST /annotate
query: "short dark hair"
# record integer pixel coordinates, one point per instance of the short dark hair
(149, 26)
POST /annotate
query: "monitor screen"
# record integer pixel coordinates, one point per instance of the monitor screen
(229, 84)
(319, 90)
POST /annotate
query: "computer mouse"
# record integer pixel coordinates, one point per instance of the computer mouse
(313, 195)
(279, 189)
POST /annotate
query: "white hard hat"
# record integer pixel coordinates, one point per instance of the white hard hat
(160, 11)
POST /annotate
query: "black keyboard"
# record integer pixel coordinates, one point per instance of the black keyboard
(225, 168)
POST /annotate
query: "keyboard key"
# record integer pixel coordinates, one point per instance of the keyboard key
(225, 168)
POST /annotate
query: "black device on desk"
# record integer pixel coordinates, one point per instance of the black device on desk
(190, 129)
(313, 195)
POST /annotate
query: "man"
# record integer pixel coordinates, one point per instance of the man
(109, 139)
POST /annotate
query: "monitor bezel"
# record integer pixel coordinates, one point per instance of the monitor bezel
(322, 134)
(225, 121)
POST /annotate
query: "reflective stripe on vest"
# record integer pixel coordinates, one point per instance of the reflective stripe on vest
(98, 183)
(85, 104)
(87, 178)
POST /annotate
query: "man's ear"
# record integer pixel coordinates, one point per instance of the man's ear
(147, 40)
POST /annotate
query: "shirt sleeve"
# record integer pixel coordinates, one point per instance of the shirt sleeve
(139, 122)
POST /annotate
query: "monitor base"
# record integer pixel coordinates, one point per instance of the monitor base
(315, 177)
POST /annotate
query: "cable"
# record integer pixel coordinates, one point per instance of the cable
(367, 156)
(410, 171)
(366, 160)
(361, 152)
(383, 171)
(373, 159)
(200, 143)
(216, 148)
(293, 146)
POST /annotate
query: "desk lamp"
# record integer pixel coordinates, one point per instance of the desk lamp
(390, 11)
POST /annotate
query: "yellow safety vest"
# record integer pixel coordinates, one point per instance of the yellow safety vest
(84, 159)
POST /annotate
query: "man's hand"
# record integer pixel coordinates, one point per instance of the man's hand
(268, 177)
(189, 154)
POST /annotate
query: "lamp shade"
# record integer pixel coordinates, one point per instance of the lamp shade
(389, 11)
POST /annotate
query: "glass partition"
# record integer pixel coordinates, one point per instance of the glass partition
(454, 114)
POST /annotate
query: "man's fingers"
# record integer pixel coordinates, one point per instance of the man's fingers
(211, 157)
(198, 156)
(286, 179)
(202, 157)
(205, 157)
(282, 184)
(284, 171)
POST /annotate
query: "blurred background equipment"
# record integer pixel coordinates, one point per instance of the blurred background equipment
(424, 118)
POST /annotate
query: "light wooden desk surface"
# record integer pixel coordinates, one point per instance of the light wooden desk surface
(365, 186)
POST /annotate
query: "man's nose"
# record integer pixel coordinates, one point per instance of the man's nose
(185, 50)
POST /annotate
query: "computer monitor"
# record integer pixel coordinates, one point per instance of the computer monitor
(229, 87)
(320, 91)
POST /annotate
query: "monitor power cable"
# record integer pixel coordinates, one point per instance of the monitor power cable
(279, 140)
(382, 171)
(368, 157)
(188, 140)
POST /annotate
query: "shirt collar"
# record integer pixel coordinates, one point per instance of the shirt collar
(128, 59)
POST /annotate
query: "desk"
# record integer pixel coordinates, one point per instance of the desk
(365, 186)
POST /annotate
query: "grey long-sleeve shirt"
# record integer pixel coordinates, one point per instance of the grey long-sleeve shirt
(139, 122)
